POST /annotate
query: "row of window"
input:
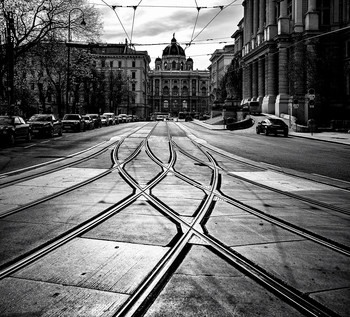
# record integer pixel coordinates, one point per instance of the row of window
(175, 81)
(112, 64)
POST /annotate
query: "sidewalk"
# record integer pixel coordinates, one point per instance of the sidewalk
(335, 137)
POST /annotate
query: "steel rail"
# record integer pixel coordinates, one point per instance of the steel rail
(333, 245)
(139, 299)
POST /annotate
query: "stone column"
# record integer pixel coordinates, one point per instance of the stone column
(255, 22)
(268, 105)
(283, 91)
(298, 16)
(244, 86)
(245, 30)
(283, 20)
(249, 82)
(255, 80)
(260, 35)
(271, 26)
(261, 78)
(311, 17)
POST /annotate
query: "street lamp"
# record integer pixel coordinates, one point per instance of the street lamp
(83, 23)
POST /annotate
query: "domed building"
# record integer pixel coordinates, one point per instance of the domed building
(175, 87)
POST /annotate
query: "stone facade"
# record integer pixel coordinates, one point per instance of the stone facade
(290, 47)
(175, 86)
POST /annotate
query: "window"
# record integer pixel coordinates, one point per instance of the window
(119, 64)
(133, 64)
(110, 64)
(166, 90)
(175, 91)
(173, 65)
(103, 63)
(133, 75)
(133, 87)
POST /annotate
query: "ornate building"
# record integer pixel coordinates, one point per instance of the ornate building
(113, 58)
(220, 61)
(295, 56)
(174, 85)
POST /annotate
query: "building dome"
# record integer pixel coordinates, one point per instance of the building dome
(174, 49)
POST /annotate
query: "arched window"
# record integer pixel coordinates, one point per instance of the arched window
(166, 90)
(185, 91)
(165, 65)
(175, 91)
(182, 66)
(173, 65)
(204, 91)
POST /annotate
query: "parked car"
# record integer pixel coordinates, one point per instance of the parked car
(13, 128)
(45, 125)
(88, 123)
(272, 125)
(122, 117)
(96, 119)
(104, 120)
(111, 118)
(73, 122)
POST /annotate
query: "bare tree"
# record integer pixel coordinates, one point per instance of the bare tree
(24, 24)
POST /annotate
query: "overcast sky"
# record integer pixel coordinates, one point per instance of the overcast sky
(151, 26)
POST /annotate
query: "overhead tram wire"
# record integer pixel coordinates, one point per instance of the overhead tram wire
(222, 8)
(113, 7)
(133, 21)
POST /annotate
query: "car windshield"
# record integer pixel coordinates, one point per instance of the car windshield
(6, 120)
(71, 117)
(40, 118)
(103, 117)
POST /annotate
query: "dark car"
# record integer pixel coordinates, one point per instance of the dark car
(272, 126)
(73, 122)
(13, 128)
(45, 125)
(96, 119)
(88, 122)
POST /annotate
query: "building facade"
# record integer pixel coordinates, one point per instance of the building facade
(175, 87)
(112, 59)
(102, 78)
(295, 57)
(220, 60)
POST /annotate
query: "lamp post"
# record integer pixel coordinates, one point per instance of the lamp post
(68, 50)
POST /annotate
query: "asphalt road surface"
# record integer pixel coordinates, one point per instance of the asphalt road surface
(171, 219)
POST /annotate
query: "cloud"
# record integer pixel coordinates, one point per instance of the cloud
(155, 21)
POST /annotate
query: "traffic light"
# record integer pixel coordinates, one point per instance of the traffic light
(311, 103)
(311, 94)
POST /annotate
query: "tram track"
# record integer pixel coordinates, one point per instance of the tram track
(140, 299)
(144, 295)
